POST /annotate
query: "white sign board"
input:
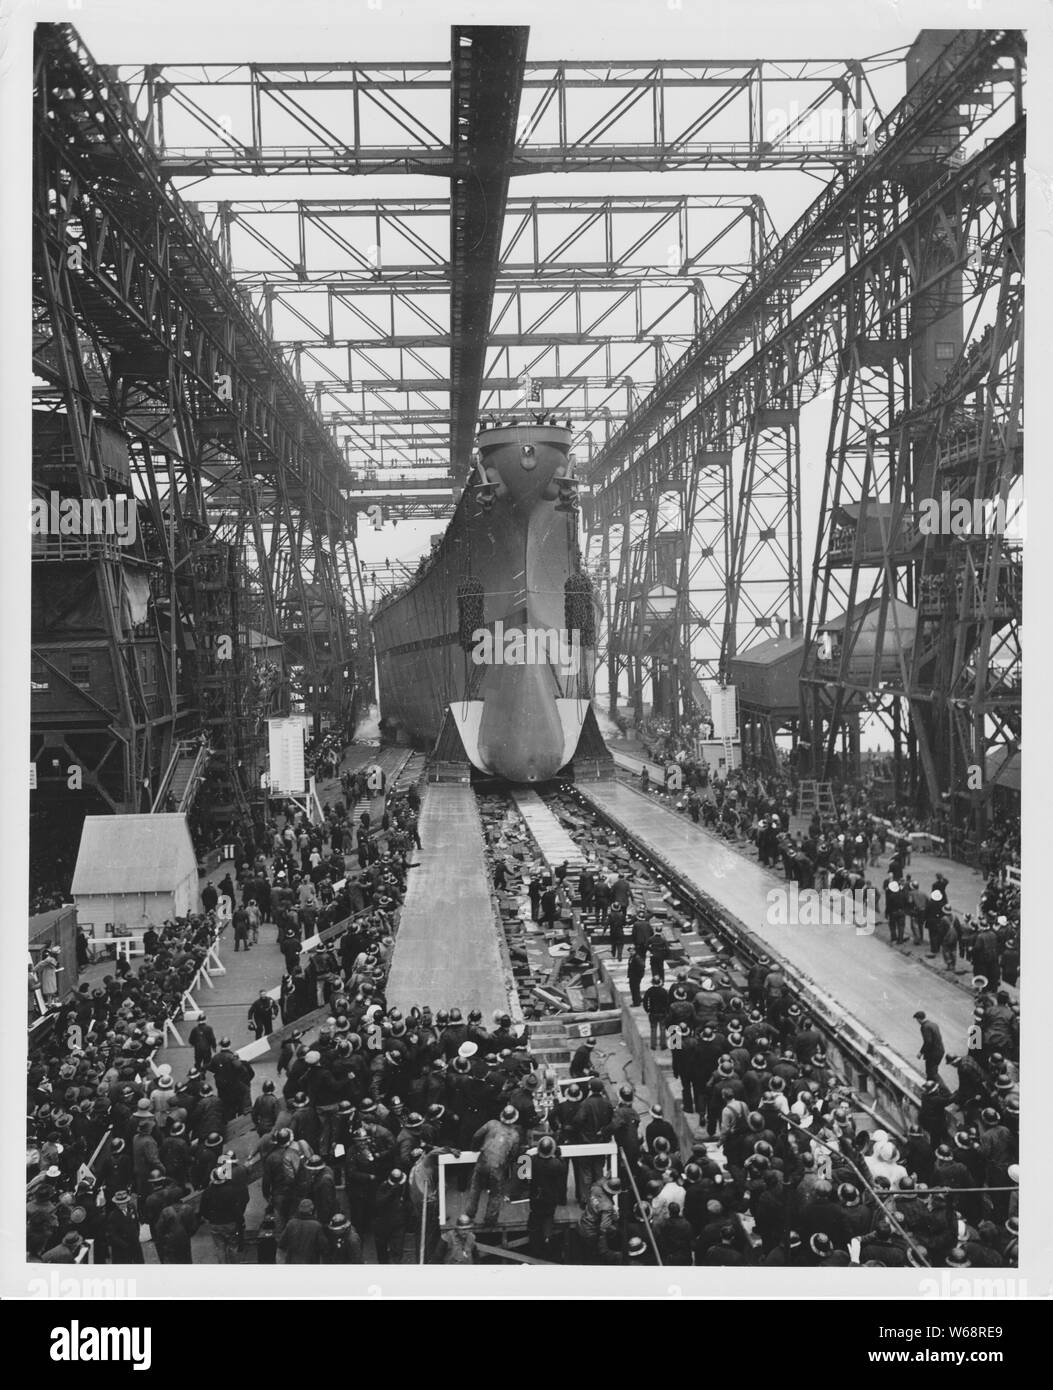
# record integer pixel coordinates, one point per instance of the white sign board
(285, 738)
(724, 707)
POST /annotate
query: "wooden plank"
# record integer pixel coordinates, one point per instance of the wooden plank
(512, 1255)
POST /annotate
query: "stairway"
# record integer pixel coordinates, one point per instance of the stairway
(182, 777)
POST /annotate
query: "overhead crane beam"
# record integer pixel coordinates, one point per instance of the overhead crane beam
(579, 116)
(487, 64)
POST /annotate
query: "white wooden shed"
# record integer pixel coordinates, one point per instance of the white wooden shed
(133, 872)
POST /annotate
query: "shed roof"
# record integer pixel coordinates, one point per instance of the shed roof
(770, 651)
(133, 854)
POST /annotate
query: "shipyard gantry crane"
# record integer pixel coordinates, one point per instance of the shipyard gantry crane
(236, 587)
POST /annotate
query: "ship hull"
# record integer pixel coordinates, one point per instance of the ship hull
(518, 696)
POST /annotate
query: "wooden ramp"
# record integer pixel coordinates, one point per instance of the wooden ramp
(447, 952)
(552, 840)
(870, 982)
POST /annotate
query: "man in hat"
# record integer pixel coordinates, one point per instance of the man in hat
(548, 1192)
(122, 1230)
(303, 1240)
(262, 1013)
(598, 1224)
(321, 1187)
(895, 911)
(497, 1143)
(931, 1052)
(175, 1153)
(344, 1242)
(66, 1251)
(656, 1007)
(581, 1061)
(145, 1154)
(460, 1243)
(162, 1099)
(985, 956)
(636, 969)
(265, 1109)
(280, 1176)
(996, 1148)
(391, 1212)
(203, 1040)
(933, 917)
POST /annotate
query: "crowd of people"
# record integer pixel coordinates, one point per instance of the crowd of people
(154, 1142)
(780, 1173)
(368, 1098)
(89, 1078)
(855, 850)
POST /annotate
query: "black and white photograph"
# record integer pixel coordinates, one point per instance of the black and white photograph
(519, 639)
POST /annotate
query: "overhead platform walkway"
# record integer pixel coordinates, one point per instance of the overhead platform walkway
(447, 952)
(872, 983)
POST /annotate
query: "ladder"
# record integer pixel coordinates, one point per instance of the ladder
(816, 796)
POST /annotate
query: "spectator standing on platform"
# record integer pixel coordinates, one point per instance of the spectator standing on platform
(48, 970)
(931, 1046)
(497, 1143)
(636, 970)
(601, 898)
(616, 931)
(656, 1007)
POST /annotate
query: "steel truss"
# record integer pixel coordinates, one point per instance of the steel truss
(596, 116)
(140, 337)
(947, 607)
(757, 356)
(593, 296)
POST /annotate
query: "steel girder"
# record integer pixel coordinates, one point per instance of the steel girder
(596, 116)
(960, 255)
(957, 91)
(180, 365)
(698, 569)
(754, 355)
(798, 358)
(485, 82)
(966, 668)
(555, 239)
(625, 279)
(765, 584)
